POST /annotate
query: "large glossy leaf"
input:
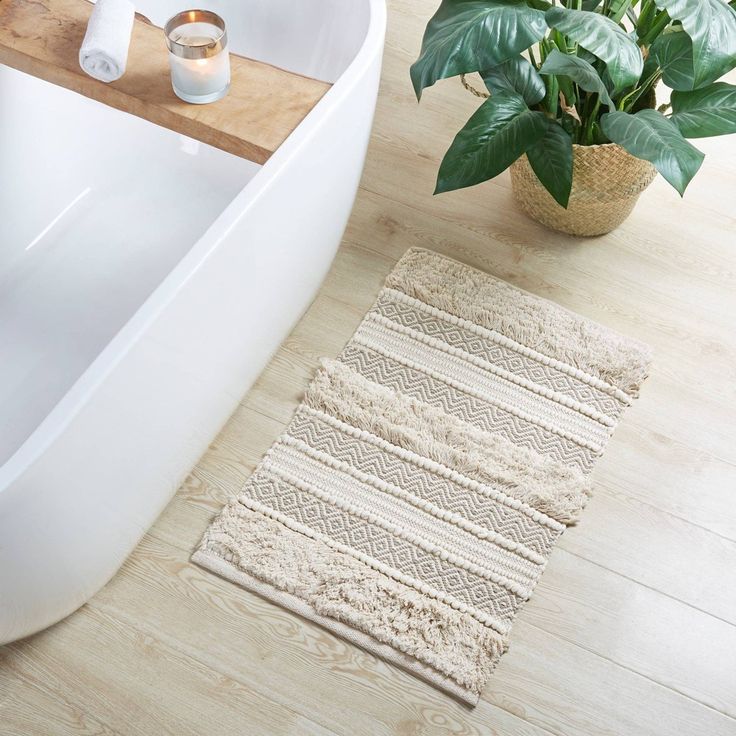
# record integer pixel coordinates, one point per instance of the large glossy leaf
(580, 71)
(711, 24)
(470, 35)
(673, 52)
(604, 38)
(499, 131)
(705, 112)
(516, 75)
(651, 136)
(551, 159)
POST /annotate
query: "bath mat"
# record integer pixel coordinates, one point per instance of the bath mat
(412, 503)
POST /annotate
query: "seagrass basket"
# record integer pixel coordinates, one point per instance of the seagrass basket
(606, 183)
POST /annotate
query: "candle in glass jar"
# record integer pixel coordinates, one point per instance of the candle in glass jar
(198, 56)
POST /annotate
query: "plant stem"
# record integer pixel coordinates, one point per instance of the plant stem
(553, 93)
(532, 59)
(551, 100)
(631, 99)
(591, 121)
(661, 21)
(648, 9)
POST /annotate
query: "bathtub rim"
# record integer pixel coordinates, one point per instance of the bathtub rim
(79, 393)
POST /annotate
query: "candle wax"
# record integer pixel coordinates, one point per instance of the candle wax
(198, 78)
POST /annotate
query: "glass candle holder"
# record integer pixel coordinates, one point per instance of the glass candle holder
(198, 56)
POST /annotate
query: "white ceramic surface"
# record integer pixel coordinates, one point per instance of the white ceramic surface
(145, 280)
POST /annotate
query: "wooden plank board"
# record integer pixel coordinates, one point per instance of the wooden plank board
(264, 104)
(201, 692)
(632, 625)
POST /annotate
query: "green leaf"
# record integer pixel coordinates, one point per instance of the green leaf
(499, 131)
(470, 35)
(647, 14)
(516, 75)
(586, 56)
(673, 52)
(580, 71)
(705, 112)
(551, 160)
(711, 24)
(604, 38)
(591, 4)
(617, 9)
(651, 136)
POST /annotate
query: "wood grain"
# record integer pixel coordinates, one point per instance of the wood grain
(631, 630)
(262, 108)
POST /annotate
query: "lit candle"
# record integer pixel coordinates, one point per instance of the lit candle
(200, 65)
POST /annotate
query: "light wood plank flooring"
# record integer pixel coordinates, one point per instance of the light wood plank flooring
(632, 630)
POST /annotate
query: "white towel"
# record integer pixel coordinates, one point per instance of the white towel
(104, 51)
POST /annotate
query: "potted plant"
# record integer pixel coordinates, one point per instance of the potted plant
(570, 101)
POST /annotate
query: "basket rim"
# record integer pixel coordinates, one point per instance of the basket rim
(593, 147)
(600, 145)
(592, 152)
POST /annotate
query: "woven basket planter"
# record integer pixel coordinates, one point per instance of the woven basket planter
(606, 183)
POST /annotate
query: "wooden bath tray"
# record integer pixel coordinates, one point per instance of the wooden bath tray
(264, 105)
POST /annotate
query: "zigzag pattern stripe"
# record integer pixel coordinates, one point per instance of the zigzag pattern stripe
(477, 393)
(394, 506)
(509, 360)
(508, 342)
(369, 458)
(490, 418)
(486, 371)
(472, 590)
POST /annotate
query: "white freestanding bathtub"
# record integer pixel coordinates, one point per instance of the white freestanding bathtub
(145, 280)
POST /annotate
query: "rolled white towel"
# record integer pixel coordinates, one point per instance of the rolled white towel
(104, 51)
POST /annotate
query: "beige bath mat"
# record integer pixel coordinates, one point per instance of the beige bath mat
(412, 502)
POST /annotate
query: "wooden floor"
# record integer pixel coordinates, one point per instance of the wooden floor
(632, 629)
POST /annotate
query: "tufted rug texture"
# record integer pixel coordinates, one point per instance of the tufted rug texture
(413, 501)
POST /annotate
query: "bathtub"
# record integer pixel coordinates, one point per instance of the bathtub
(145, 281)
